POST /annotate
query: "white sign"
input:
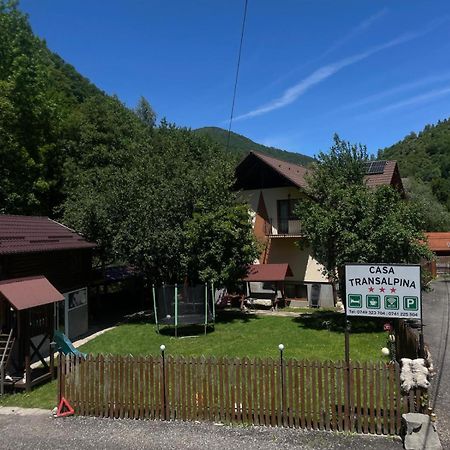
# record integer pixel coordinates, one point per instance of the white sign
(380, 290)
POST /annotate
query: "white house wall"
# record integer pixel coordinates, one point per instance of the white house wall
(284, 249)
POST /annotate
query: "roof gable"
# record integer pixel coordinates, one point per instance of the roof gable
(26, 234)
(258, 171)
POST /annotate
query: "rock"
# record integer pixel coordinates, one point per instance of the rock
(420, 432)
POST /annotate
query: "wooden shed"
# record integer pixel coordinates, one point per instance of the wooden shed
(439, 244)
(27, 321)
(39, 246)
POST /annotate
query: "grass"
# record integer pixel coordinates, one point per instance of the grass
(318, 335)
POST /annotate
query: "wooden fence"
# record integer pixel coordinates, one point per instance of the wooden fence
(407, 341)
(363, 398)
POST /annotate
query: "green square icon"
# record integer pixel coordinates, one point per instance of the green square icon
(410, 303)
(373, 301)
(391, 302)
(355, 301)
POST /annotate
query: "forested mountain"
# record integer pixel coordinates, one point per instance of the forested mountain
(241, 145)
(49, 116)
(425, 159)
(154, 196)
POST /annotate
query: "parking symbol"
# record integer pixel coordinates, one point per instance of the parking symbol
(355, 301)
(391, 302)
(410, 303)
(373, 301)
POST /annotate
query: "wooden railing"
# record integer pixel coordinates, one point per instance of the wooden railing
(363, 398)
(282, 227)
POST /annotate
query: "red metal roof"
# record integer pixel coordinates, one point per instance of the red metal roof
(296, 173)
(268, 272)
(439, 242)
(25, 234)
(26, 293)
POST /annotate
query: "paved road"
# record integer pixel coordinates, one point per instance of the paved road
(436, 319)
(41, 432)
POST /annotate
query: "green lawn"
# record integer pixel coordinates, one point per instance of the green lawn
(317, 336)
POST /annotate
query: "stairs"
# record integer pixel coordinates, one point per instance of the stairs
(265, 256)
(6, 345)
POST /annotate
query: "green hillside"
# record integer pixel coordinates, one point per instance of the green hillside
(425, 159)
(241, 145)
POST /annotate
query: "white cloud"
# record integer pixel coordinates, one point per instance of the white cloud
(422, 98)
(294, 92)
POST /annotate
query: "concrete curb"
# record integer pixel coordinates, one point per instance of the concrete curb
(16, 411)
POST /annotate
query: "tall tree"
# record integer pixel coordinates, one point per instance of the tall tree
(344, 221)
(146, 113)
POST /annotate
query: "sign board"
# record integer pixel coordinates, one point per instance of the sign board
(382, 290)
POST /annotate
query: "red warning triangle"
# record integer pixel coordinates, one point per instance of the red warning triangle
(64, 408)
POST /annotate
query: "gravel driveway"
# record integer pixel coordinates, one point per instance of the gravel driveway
(39, 431)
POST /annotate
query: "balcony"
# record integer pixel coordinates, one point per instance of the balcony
(283, 227)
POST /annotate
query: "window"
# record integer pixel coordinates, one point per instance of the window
(285, 214)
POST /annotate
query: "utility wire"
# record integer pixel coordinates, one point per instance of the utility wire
(237, 72)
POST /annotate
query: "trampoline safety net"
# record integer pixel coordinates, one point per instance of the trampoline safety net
(179, 305)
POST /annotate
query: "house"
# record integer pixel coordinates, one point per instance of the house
(271, 187)
(38, 246)
(439, 244)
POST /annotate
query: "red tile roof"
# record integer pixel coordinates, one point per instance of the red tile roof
(25, 293)
(296, 173)
(385, 178)
(439, 242)
(25, 234)
(268, 272)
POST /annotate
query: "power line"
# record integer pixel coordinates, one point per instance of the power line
(237, 72)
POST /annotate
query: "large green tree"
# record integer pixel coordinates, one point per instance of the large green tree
(169, 211)
(344, 221)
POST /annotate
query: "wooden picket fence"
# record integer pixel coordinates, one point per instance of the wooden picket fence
(363, 398)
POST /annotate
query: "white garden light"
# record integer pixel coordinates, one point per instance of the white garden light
(281, 347)
(385, 351)
(162, 347)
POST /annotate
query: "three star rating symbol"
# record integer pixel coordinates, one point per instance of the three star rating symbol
(382, 289)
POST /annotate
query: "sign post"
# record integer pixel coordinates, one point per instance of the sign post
(391, 291)
(383, 290)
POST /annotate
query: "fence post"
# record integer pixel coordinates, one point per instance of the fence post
(60, 377)
(163, 365)
(282, 402)
(154, 307)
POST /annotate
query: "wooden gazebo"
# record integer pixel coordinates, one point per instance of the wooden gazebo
(27, 322)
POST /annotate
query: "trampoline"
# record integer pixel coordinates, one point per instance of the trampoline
(177, 305)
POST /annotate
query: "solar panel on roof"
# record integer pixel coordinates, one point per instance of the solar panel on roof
(375, 167)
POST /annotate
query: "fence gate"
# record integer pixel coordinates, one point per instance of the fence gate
(363, 398)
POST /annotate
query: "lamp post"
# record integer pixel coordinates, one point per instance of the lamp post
(281, 349)
(163, 361)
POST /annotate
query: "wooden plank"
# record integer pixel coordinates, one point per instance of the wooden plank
(256, 389)
(378, 397)
(391, 399)
(326, 395)
(351, 396)
(249, 399)
(220, 392)
(272, 383)
(332, 375)
(346, 397)
(193, 400)
(365, 401)
(289, 407)
(303, 420)
(372, 377)
(261, 391)
(340, 415)
(357, 396)
(229, 395)
(211, 379)
(385, 406)
(320, 397)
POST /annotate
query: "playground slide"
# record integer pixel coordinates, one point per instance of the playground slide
(64, 345)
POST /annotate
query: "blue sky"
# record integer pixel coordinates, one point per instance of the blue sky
(370, 70)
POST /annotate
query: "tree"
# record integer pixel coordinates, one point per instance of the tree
(146, 113)
(346, 222)
(169, 211)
